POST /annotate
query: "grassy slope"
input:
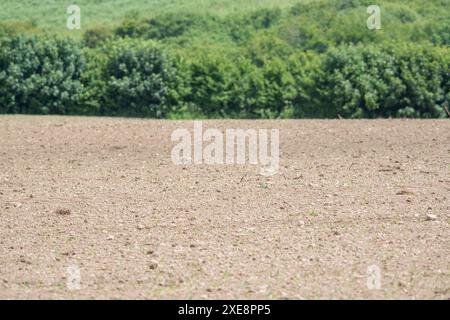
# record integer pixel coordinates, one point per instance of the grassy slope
(51, 14)
(408, 20)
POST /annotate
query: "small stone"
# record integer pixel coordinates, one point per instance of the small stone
(110, 238)
(63, 212)
(153, 266)
(23, 260)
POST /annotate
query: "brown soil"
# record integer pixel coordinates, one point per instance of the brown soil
(104, 196)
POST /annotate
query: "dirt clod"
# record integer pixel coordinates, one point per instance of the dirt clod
(153, 266)
(63, 212)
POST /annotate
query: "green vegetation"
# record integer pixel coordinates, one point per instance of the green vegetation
(40, 76)
(313, 213)
(51, 14)
(251, 59)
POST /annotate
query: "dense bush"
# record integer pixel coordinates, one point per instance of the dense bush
(135, 79)
(16, 28)
(95, 37)
(304, 36)
(240, 28)
(237, 28)
(252, 85)
(369, 82)
(40, 76)
(213, 79)
(161, 27)
(440, 33)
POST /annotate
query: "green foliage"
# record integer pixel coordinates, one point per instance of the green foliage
(212, 79)
(95, 37)
(241, 27)
(16, 28)
(229, 58)
(267, 45)
(396, 81)
(136, 79)
(237, 28)
(40, 76)
(304, 36)
(161, 27)
(50, 14)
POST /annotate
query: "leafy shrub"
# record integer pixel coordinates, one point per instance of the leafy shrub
(136, 79)
(211, 81)
(242, 27)
(170, 25)
(405, 15)
(10, 29)
(40, 76)
(370, 82)
(347, 4)
(164, 26)
(267, 45)
(302, 36)
(94, 37)
(438, 33)
(239, 86)
(306, 69)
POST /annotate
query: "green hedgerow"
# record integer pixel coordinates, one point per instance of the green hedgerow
(40, 75)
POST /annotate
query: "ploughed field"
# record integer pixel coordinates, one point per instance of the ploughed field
(95, 208)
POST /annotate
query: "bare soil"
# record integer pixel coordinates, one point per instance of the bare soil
(103, 195)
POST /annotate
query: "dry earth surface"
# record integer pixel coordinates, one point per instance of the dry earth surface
(349, 195)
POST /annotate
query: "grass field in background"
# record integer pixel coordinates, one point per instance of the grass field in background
(51, 14)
